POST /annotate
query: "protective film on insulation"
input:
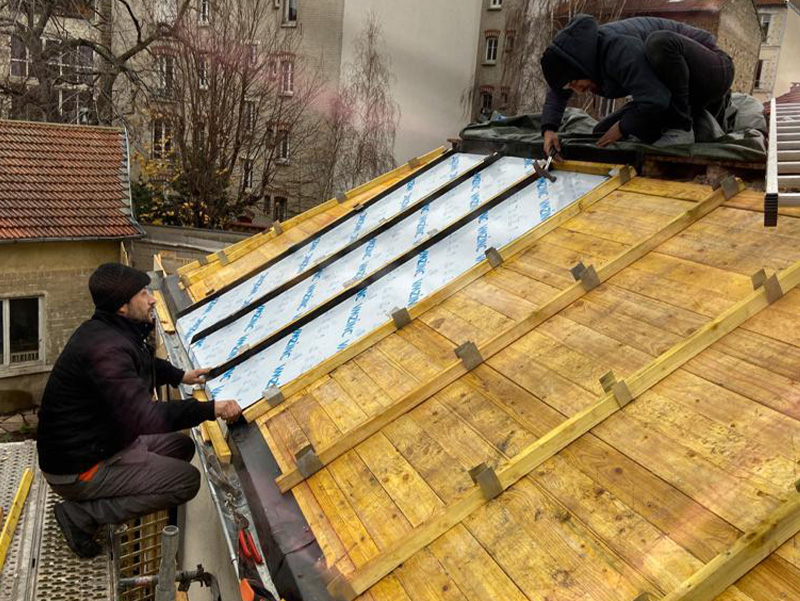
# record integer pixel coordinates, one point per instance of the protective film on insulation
(353, 228)
(406, 285)
(225, 343)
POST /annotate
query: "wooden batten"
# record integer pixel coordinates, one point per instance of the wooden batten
(573, 428)
(512, 334)
(214, 433)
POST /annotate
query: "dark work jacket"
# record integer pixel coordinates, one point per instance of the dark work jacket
(98, 398)
(613, 56)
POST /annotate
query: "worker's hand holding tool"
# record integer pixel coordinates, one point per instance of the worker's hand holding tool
(227, 410)
(614, 134)
(551, 145)
(196, 376)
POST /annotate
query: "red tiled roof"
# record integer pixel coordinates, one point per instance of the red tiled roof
(63, 181)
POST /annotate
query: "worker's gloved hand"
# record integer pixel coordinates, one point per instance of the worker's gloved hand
(195, 376)
(227, 410)
(551, 143)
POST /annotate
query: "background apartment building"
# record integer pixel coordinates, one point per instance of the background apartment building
(514, 33)
(777, 66)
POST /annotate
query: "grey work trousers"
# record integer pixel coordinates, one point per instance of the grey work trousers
(151, 474)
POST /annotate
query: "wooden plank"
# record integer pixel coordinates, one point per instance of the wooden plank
(478, 270)
(727, 567)
(163, 313)
(214, 433)
(506, 337)
(570, 430)
(14, 513)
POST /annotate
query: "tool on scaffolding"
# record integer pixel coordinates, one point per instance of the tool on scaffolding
(247, 546)
(544, 171)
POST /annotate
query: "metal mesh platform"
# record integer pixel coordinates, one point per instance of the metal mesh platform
(39, 565)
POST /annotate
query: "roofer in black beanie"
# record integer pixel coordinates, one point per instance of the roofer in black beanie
(104, 445)
(671, 72)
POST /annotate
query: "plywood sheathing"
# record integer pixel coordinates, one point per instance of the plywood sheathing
(643, 501)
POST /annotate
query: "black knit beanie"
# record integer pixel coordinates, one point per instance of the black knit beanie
(558, 69)
(114, 284)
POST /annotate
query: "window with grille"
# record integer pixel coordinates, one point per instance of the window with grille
(247, 174)
(162, 139)
(490, 56)
(75, 105)
(205, 12)
(166, 75)
(287, 77)
(202, 72)
(283, 146)
(21, 330)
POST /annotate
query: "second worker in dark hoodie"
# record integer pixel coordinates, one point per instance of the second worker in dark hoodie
(670, 70)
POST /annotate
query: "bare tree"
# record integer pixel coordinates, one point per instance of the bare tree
(360, 122)
(66, 55)
(230, 102)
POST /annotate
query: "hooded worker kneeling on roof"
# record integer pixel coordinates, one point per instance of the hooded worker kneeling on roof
(671, 71)
(104, 444)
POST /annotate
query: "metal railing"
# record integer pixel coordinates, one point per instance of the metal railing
(783, 160)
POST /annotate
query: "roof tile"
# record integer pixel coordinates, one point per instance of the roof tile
(63, 181)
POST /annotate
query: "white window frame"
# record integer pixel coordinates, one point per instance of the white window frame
(490, 50)
(250, 116)
(283, 147)
(204, 12)
(202, 72)
(248, 169)
(25, 61)
(495, 4)
(287, 77)
(761, 65)
(5, 332)
(161, 151)
(288, 22)
(166, 85)
(762, 18)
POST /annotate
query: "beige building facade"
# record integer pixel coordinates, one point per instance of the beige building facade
(779, 60)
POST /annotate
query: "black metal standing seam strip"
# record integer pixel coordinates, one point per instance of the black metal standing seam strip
(397, 218)
(370, 279)
(323, 230)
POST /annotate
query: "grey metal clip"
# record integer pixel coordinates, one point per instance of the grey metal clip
(469, 354)
(622, 393)
(607, 381)
(273, 395)
(485, 477)
(587, 276)
(308, 462)
(401, 317)
(494, 257)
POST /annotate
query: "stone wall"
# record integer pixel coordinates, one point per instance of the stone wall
(59, 271)
(739, 35)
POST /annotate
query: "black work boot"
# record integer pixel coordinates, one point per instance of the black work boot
(80, 541)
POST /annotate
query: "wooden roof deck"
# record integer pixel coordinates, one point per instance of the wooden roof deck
(646, 494)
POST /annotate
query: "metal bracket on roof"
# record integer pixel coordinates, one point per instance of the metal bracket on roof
(341, 197)
(730, 187)
(273, 395)
(643, 596)
(622, 393)
(493, 256)
(587, 276)
(771, 284)
(308, 462)
(222, 257)
(607, 381)
(469, 354)
(203, 260)
(623, 172)
(401, 317)
(413, 163)
(183, 282)
(485, 477)
(276, 225)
